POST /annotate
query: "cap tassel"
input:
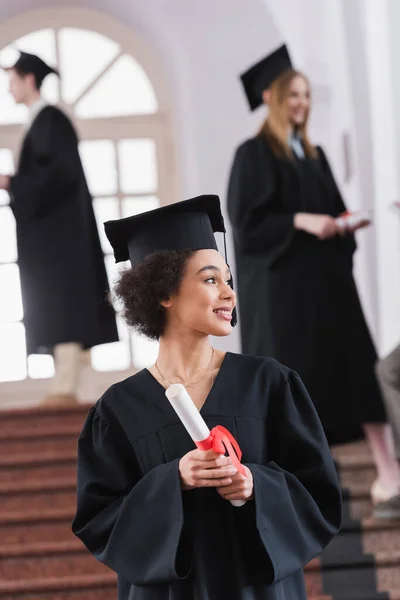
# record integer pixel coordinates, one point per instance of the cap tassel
(234, 312)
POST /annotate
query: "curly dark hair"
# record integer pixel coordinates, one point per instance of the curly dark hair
(142, 288)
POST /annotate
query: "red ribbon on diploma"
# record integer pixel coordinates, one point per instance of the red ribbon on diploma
(221, 440)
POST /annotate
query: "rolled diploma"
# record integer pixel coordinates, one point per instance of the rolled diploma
(191, 419)
(352, 219)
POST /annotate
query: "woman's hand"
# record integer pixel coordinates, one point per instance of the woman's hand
(200, 468)
(359, 225)
(241, 487)
(322, 226)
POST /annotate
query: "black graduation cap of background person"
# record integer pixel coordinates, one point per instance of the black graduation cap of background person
(261, 75)
(186, 225)
(30, 63)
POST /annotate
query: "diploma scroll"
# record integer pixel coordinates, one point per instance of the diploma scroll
(349, 219)
(219, 439)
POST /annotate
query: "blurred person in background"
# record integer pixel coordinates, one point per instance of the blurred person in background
(298, 300)
(63, 278)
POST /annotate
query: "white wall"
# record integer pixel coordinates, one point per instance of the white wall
(371, 42)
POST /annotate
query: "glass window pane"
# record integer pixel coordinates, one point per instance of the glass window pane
(105, 209)
(6, 162)
(98, 158)
(40, 366)
(12, 352)
(6, 159)
(83, 56)
(135, 205)
(10, 297)
(115, 356)
(8, 240)
(124, 89)
(137, 166)
(144, 351)
(4, 197)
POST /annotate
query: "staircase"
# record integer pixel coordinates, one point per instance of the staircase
(363, 561)
(40, 559)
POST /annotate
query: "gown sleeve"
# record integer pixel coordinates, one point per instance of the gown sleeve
(259, 224)
(297, 499)
(133, 524)
(53, 169)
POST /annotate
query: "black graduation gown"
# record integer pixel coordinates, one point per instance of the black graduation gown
(63, 278)
(298, 301)
(166, 544)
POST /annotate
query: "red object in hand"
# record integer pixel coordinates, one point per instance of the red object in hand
(221, 441)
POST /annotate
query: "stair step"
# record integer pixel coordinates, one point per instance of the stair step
(355, 464)
(41, 548)
(357, 502)
(39, 413)
(381, 559)
(109, 593)
(29, 526)
(35, 516)
(38, 473)
(382, 568)
(71, 587)
(37, 446)
(355, 477)
(37, 485)
(32, 459)
(17, 502)
(353, 448)
(27, 421)
(378, 535)
(63, 562)
(387, 578)
(25, 432)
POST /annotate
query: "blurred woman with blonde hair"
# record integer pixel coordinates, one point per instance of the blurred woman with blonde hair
(298, 301)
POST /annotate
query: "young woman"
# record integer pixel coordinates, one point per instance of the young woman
(151, 506)
(297, 296)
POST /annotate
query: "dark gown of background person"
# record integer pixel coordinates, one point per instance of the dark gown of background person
(169, 544)
(63, 278)
(297, 297)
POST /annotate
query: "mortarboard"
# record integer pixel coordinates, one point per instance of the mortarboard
(186, 225)
(30, 63)
(261, 75)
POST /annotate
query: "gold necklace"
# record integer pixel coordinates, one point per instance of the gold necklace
(188, 385)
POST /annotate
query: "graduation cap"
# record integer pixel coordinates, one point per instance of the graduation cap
(30, 63)
(186, 225)
(261, 75)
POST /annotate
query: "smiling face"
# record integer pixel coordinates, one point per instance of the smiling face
(298, 101)
(205, 300)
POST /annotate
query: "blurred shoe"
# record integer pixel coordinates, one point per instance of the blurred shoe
(60, 400)
(390, 509)
(386, 502)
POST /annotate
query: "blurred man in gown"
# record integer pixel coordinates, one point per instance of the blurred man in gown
(63, 278)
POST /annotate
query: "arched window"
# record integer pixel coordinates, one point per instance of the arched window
(125, 147)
